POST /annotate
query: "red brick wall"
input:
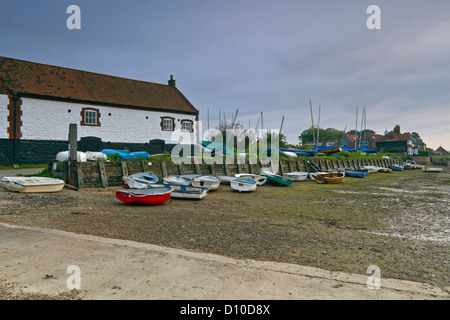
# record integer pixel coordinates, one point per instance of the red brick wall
(421, 159)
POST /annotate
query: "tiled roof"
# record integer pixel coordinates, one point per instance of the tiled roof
(46, 81)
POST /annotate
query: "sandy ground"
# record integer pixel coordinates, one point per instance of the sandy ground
(35, 261)
(398, 222)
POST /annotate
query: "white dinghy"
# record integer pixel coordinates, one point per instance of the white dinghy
(244, 184)
(260, 180)
(32, 184)
(296, 176)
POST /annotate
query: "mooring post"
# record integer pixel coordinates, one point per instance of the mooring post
(73, 159)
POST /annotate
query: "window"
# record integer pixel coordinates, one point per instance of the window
(90, 117)
(186, 125)
(167, 124)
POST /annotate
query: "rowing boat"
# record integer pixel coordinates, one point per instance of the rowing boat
(32, 184)
(276, 179)
(209, 181)
(244, 184)
(328, 177)
(296, 176)
(429, 169)
(355, 173)
(260, 180)
(149, 196)
(185, 192)
(397, 167)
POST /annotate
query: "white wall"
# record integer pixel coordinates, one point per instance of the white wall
(4, 101)
(49, 120)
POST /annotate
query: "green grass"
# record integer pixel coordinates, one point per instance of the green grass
(23, 166)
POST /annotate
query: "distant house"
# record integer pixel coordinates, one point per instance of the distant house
(440, 152)
(368, 140)
(397, 140)
(348, 140)
(38, 102)
(327, 143)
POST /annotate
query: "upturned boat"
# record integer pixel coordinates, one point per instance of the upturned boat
(244, 184)
(32, 184)
(328, 177)
(184, 192)
(260, 180)
(355, 173)
(149, 196)
(397, 167)
(225, 179)
(177, 180)
(209, 181)
(429, 169)
(296, 176)
(145, 177)
(276, 179)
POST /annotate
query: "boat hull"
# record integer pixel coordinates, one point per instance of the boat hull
(260, 180)
(144, 197)
(185, 192)
(33, 184)
(328, 177)
(296, 176)
(435, 170)
(244, 184)
(211, 182)
(355, 174)
(277, 180)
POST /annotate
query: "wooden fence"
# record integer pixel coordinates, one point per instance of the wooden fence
(105, 174)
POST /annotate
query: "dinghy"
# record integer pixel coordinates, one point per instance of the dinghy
(372, 169)
(429, 169)
(244, 184)
(327, 177)
(32, 184)
(145, 177)
(397, 167)
(225, 179)
(148, 196)
(209, 181)
(260, 180)
(184, 192)
(355, 173)
(276, 179)
(177, 180)
(296, 176)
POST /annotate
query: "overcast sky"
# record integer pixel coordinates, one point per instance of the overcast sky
(260, 56)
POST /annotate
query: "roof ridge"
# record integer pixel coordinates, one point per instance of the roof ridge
(79, 70)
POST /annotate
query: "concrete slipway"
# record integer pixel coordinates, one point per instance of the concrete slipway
(36, 260)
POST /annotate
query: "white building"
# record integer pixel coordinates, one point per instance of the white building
(38, 103)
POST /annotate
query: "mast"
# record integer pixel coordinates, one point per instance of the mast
(365, 127)
(362, 120)
(318, 130)
(356, 127)
(312, 121)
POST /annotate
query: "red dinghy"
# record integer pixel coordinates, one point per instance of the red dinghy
(144, 196)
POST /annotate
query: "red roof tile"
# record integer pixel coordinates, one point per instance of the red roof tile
(46, 81)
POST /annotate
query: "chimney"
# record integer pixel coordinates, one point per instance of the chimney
(397, 129)
(171, 81)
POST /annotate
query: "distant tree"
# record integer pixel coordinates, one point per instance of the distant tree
(324, 134)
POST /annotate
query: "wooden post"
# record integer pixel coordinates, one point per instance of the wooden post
(73, 148)
(124, 168)
(103, 176)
